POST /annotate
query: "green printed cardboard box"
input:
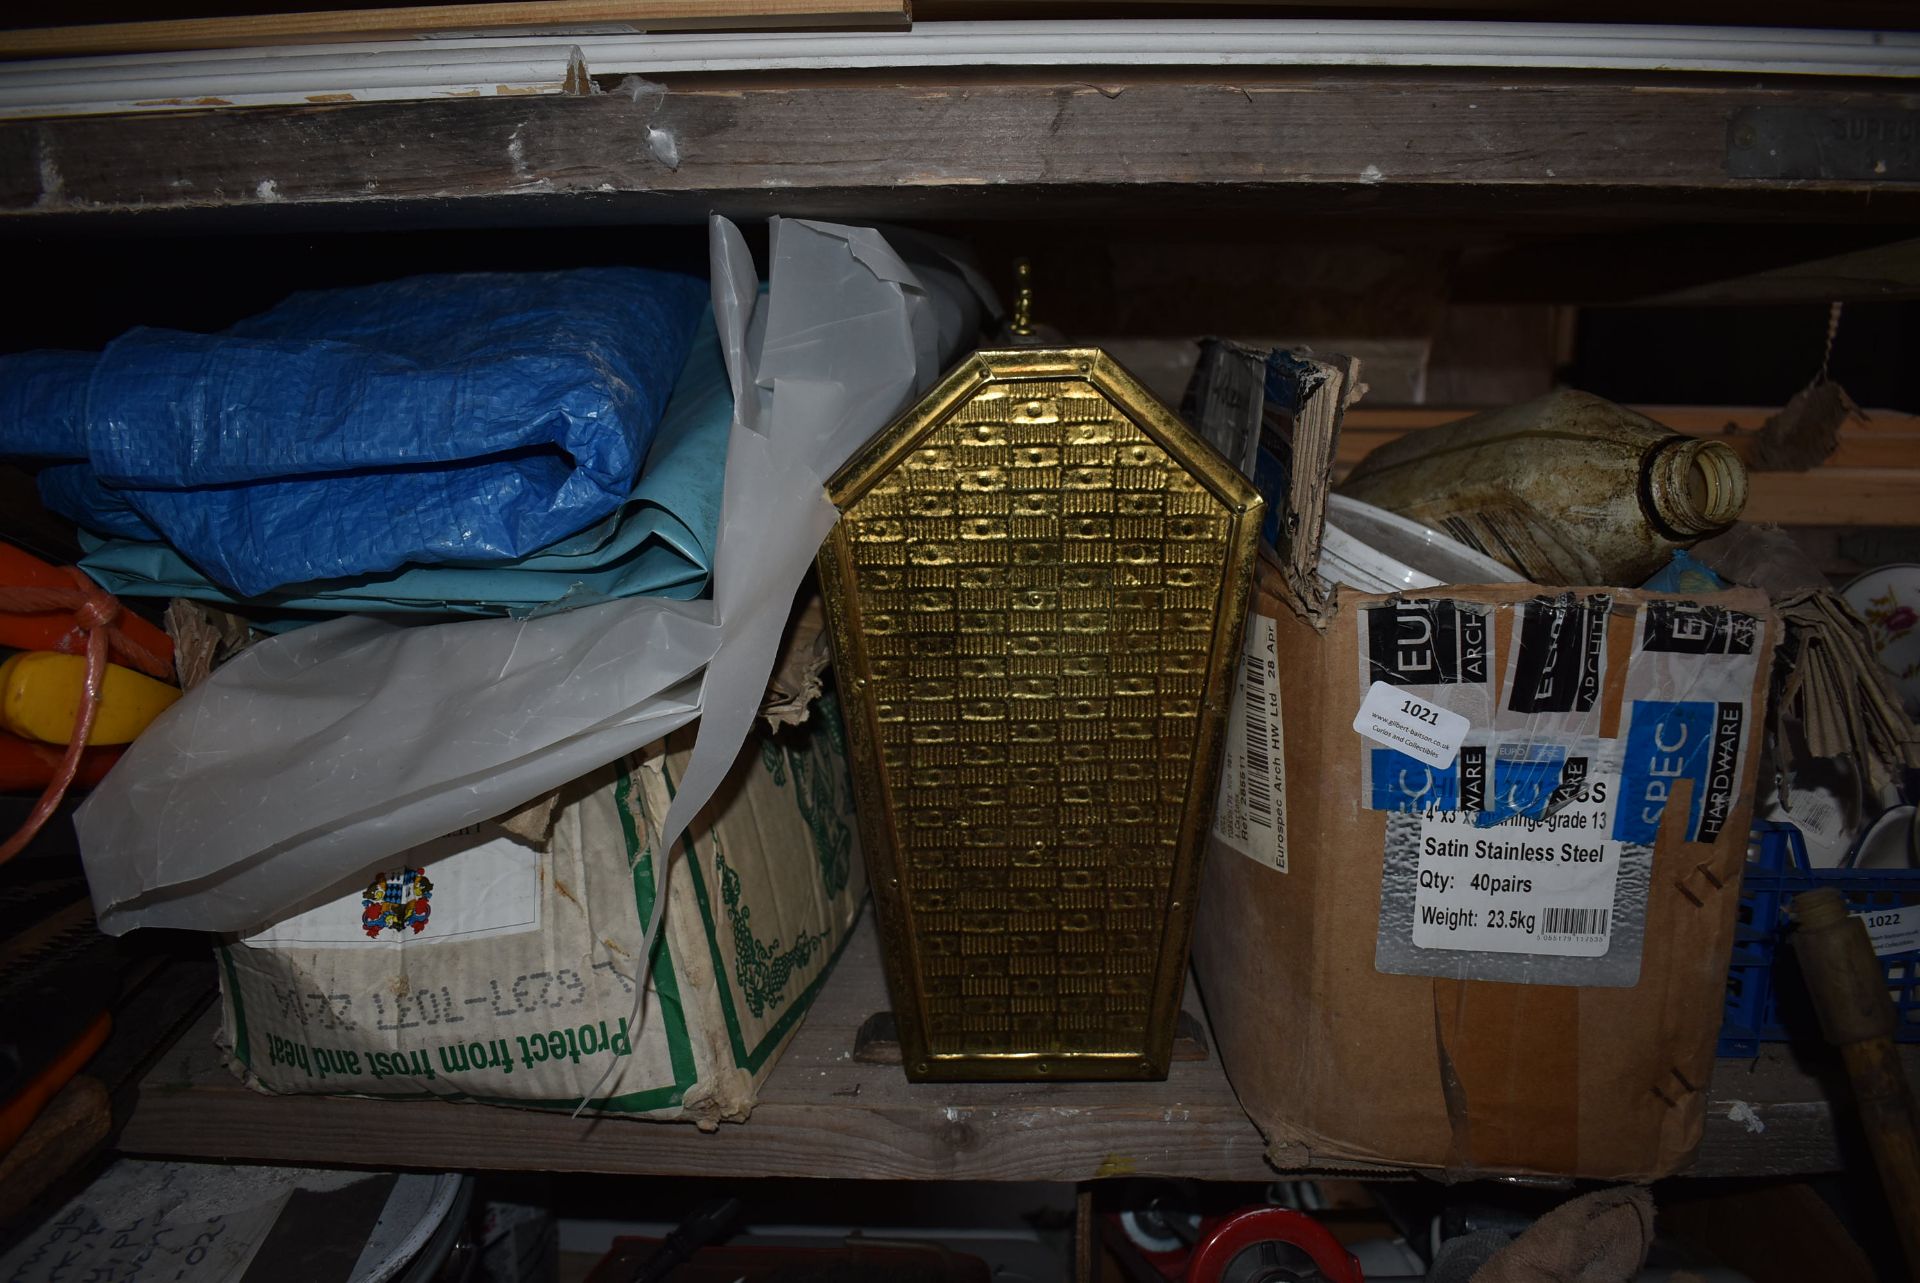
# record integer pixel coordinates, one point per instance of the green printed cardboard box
(479, 968)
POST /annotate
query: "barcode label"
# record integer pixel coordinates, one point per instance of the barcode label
(1250, 813)
(1254, 742)
(1573, 922)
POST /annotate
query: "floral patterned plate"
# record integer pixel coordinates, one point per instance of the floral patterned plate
(1888, 597)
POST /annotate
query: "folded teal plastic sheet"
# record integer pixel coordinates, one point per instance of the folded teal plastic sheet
(659, 544)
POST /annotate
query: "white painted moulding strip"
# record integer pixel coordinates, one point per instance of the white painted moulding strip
(290, 76)
(1278, 43)
(435, 67)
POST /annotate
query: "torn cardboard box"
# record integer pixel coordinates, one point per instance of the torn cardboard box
(1471, 895)
(805, 654)
(480, 968)
(1514, 959)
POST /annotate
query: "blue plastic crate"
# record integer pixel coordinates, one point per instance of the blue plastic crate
(1766, 1000)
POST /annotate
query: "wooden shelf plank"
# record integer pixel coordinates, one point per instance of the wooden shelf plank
(1888, 439)
(1833, 496)
(1871, 480)
(822, 1114)
(950, 144)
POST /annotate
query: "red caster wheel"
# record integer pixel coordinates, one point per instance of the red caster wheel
(1272, 1245)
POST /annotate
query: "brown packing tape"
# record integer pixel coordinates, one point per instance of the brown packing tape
(1446, 1022)
(1689, 929)
(1519, 1114)
(1279, 918)
(1504, 1113)
(1692, 900)
(1683, 906)
(1403, 1095)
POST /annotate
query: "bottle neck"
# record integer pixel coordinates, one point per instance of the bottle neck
(1694, 487)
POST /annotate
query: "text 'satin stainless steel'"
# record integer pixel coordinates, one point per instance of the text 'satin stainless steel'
(1036, 591)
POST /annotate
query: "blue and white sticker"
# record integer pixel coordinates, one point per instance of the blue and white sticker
(1427, 667)
(1688, 718)
(1528, 857)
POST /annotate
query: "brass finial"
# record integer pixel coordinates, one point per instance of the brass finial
(1021, 327)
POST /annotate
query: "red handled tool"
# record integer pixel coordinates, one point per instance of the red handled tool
(43, 597)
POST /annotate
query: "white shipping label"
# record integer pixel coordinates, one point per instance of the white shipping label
(462, 886)
(1524, 884)
(1818, 814)
(1397, 718)
(1893, 930)
(1250, 814)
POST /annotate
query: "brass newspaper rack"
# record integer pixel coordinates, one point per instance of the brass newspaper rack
(1036, 593)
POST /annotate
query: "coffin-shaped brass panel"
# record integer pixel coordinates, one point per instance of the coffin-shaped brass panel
(1036, 592)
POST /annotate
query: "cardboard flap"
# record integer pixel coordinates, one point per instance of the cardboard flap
(1276, 416)
(1323, 391)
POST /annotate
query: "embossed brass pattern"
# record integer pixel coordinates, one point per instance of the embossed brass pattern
(1036, 591)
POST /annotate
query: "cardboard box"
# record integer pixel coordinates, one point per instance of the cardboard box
(1400, 993)
(1477, 857)
(481, 968)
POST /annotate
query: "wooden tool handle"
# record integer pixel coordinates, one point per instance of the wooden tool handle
(1849, 991)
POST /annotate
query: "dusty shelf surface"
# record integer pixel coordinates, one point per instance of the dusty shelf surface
(994, 143)
(823, 1114)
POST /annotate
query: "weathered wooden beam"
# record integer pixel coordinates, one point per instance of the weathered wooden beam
(1884, 272)
(1871, 479)
(953, 145)
(1887, 439)
(821, 1113)
(1692, 264)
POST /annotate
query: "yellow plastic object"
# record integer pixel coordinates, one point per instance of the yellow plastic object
(40, 699)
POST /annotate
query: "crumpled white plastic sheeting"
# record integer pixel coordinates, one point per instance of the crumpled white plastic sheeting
(314, 755)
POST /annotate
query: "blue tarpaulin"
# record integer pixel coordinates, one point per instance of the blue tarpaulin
(461, 419)
(660, 543)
